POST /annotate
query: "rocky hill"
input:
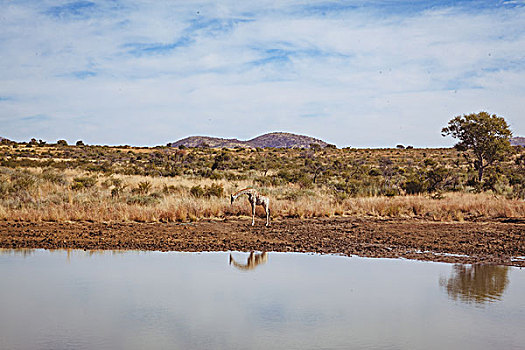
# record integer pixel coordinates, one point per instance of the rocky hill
(517, 141)
(274, 139)
(285, 140)
(206, 141)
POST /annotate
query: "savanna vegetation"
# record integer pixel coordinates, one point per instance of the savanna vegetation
(61, 182)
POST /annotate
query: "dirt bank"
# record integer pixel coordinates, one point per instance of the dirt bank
(465, 242)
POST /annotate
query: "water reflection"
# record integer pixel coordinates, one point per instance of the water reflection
(254, 259)
(476, 283)
(154, 300)
(25, 252)
(28, 252)
(106, 252)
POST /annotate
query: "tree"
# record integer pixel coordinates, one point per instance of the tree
(488, 136)
(220, 160)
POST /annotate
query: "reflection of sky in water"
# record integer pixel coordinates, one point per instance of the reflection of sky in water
(154, 300)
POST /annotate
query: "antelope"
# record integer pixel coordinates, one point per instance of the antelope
(255, 199)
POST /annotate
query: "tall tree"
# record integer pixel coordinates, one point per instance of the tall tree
(488, 136)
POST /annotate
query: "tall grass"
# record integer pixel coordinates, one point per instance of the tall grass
(36, 194)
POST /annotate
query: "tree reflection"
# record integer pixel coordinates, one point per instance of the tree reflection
(476, 283)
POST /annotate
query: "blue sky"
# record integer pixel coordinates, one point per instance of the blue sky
(354, 73)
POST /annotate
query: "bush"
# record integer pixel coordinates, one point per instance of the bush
(118, 186)
(216, 176)
(197, 191)
(374, 172)
(490, 183)
(172, 189)
(215, 190)
(389, 191)
(52, 176)
(22, 181)
(142, 188)
(414, 186)
(83, 182)
(436, 177)
(144, 199)
(5, 188)
(305, 181)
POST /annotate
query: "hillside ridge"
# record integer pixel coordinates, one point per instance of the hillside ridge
(273, 139)
(517, 141)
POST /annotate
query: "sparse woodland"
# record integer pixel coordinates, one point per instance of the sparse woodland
(101, 183)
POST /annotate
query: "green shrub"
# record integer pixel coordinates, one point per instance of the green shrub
(142, 188)
(414, 186)
(83, 182)
(52, 176)
(171, 189)
(491, 182)
(197, 191)
(389, 191)
(149, 199)
(375, 172)
(22, 181)
(118, 186)
(5, 188)
(215, 190)
(216, 176)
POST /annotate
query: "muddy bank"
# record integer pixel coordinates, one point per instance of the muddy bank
(465, 242)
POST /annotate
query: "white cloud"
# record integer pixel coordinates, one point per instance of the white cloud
(153, 72)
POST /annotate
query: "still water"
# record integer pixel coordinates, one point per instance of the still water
(152, 300)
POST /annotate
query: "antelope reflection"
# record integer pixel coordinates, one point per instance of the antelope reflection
(476, 283)
(254, 259)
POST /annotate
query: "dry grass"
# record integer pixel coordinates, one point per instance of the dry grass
(453, 206)
(42, 195)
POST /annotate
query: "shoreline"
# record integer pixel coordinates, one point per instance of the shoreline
(468, 242)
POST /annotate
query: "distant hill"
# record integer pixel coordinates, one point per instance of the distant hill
(517, 141)
(206, 141)
(285, 140)
(274, 139)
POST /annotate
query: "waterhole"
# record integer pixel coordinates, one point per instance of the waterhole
(151, 300)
